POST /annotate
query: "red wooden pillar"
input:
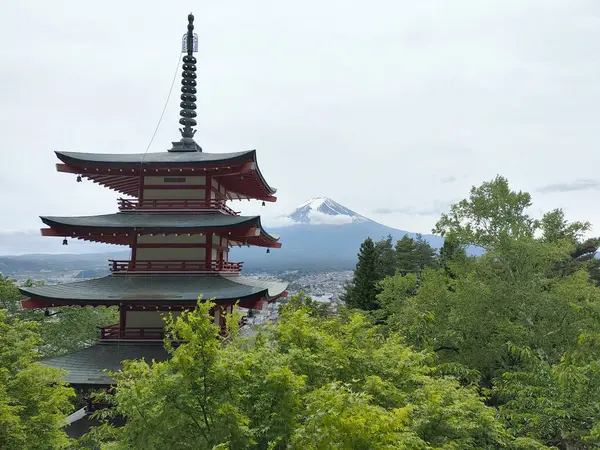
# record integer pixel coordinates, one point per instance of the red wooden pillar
(134, 249)
(122, 320)
(209, 246)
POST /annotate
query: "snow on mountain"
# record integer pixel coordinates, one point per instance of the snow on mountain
(325, 211)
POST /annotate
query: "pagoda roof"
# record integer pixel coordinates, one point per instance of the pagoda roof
(112, 228)
(237, 171)
(156, 290)
(156, 158)
(153, 220)
(87, 366)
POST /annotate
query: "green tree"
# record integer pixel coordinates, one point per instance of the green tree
(386, 258)
(413, 255)
(426, 255)
(407, 260)
(491, 213)
(9, 295)
(71, 328)
(556, 229)
(34, 400)
(63, 331)
(305, 382)
(522, 319)
(362, 292)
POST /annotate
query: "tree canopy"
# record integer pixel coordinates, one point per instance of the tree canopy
(34, 400)
(308, 381)
(67, 329)
(522, 320)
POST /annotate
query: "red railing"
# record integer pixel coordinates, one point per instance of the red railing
(175, 266)
(176, 204)
(141, 333)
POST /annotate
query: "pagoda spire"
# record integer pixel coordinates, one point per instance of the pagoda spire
(188, 92)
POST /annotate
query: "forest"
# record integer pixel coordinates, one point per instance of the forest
(434, 350)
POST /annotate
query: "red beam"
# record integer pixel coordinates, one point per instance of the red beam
(175, 186)
(60, 167)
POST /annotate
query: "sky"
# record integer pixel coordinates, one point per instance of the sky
(392, 108)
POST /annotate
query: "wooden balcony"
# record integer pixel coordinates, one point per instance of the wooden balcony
(138, 266)
(113, 332)
(175, 205)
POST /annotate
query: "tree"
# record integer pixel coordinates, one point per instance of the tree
(34, 400)
(68, 330)
(426, 255)
(305, 382)
(9, 295)
(413, 255)
(386, 258)
(556, 229)
(407, 260)
(453, 256)
(522, 320)
(362, 292)
(491, 213)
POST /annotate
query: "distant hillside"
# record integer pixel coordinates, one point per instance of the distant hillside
(322, 234)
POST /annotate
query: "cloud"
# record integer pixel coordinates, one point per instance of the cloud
(279, 221)
(578, 185)
(319, 218)
(396, 104)
(434, 209)
(315, 217)
(450, 179)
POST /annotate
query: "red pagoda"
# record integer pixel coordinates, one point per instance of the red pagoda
(176, 220)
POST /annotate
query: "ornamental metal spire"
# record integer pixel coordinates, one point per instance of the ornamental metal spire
(189, 45)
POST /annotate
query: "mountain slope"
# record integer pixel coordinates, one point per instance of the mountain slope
(323, 234)
(323, 210)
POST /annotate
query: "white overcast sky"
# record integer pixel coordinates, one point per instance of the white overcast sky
(392, 108)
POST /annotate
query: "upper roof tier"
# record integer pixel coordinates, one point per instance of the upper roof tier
(120, 228)
(237, 172)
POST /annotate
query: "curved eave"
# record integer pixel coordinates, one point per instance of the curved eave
(121, 227)
(239, 172)
(261, 239)
(152, 291)
(161, 159)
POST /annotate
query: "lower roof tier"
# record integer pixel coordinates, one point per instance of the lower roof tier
(120, 228)
(90, 365)
(155, 291)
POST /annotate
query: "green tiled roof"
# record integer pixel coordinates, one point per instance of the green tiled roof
(154, 158)
(153, 220)
(174, 288)
(87, 366)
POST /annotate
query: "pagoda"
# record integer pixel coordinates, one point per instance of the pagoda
(175, 219)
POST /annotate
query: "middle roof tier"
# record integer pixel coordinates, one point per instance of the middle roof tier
(121, 228)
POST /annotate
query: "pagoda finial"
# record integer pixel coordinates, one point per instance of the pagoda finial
(189, 45)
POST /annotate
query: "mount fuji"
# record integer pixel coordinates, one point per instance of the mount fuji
(324, 211)
(320, 233)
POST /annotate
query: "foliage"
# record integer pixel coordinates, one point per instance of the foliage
(70, 329)
(385, 257)
(361, 293)
(306, 382)
(522, 321)
(413, 255)
(34, 400)
(493, 212)
(382, 259)
(9, 295)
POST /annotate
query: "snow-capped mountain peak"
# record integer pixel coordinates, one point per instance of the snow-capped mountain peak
(323, 210)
